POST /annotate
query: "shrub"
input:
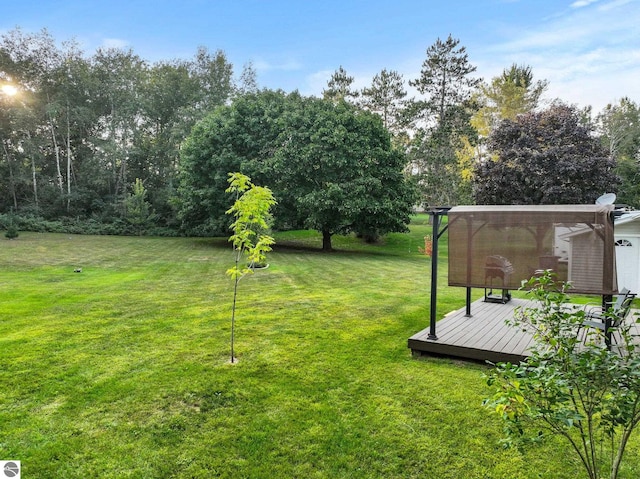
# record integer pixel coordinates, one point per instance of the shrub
(12, 232)
(570, 386)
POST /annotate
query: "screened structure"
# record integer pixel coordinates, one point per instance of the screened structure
(500, 246)
(497, 247)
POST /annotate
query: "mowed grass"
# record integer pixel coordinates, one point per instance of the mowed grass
(123, 370)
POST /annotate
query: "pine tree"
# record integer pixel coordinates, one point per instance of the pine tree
(386, 98)
(339, 87)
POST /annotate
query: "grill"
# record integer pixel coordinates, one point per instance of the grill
(500, 268)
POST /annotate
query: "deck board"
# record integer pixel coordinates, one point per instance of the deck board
(484, 336)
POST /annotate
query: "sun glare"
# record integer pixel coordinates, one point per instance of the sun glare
(9, 89)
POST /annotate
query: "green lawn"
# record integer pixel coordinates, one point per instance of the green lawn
(122, 370)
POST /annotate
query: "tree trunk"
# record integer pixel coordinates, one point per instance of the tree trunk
(11, 178)
(33, 171)
(443, 94)
(326, 240)
(56, 149)
(34, 179)
(68, 160)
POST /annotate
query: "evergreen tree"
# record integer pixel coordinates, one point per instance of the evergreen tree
(442, 122)
(386, 97)
(444, 79)
(339, 87)
(137, 209)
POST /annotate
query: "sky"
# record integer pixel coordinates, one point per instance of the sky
(588, 50)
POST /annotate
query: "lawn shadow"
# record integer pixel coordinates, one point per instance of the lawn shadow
(353, 249)
(342, 246)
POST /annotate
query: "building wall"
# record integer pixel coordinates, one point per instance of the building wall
(585, 265)
(627, 238)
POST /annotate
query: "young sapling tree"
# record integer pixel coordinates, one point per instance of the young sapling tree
(137, 209)
(250, 239)
(12, 229)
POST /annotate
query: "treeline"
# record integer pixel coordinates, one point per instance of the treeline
(77, 131)
(93, 143)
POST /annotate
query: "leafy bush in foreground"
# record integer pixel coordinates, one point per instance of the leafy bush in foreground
(572, 385)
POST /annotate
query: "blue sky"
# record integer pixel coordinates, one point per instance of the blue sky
(588, 50)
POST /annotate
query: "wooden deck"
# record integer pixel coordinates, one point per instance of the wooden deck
(483, 337)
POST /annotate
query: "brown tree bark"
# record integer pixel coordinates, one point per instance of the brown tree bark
(326, 240)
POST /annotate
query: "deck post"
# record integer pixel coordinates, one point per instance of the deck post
(436, 213)
(608, 257)
(468, 310)
(434, 276)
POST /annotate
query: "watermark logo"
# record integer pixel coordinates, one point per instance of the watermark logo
(10, 469)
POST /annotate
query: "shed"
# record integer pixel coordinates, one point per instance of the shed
(627, 245)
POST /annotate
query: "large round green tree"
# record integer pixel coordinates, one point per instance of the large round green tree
(331, 166)
(338, 172)
(237, 137)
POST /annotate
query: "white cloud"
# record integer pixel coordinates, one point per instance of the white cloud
(614, 4)
(591, 56)
(316, 82)
(582, 3)
(114, 43)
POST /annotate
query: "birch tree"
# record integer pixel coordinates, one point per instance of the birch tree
(119, 73)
